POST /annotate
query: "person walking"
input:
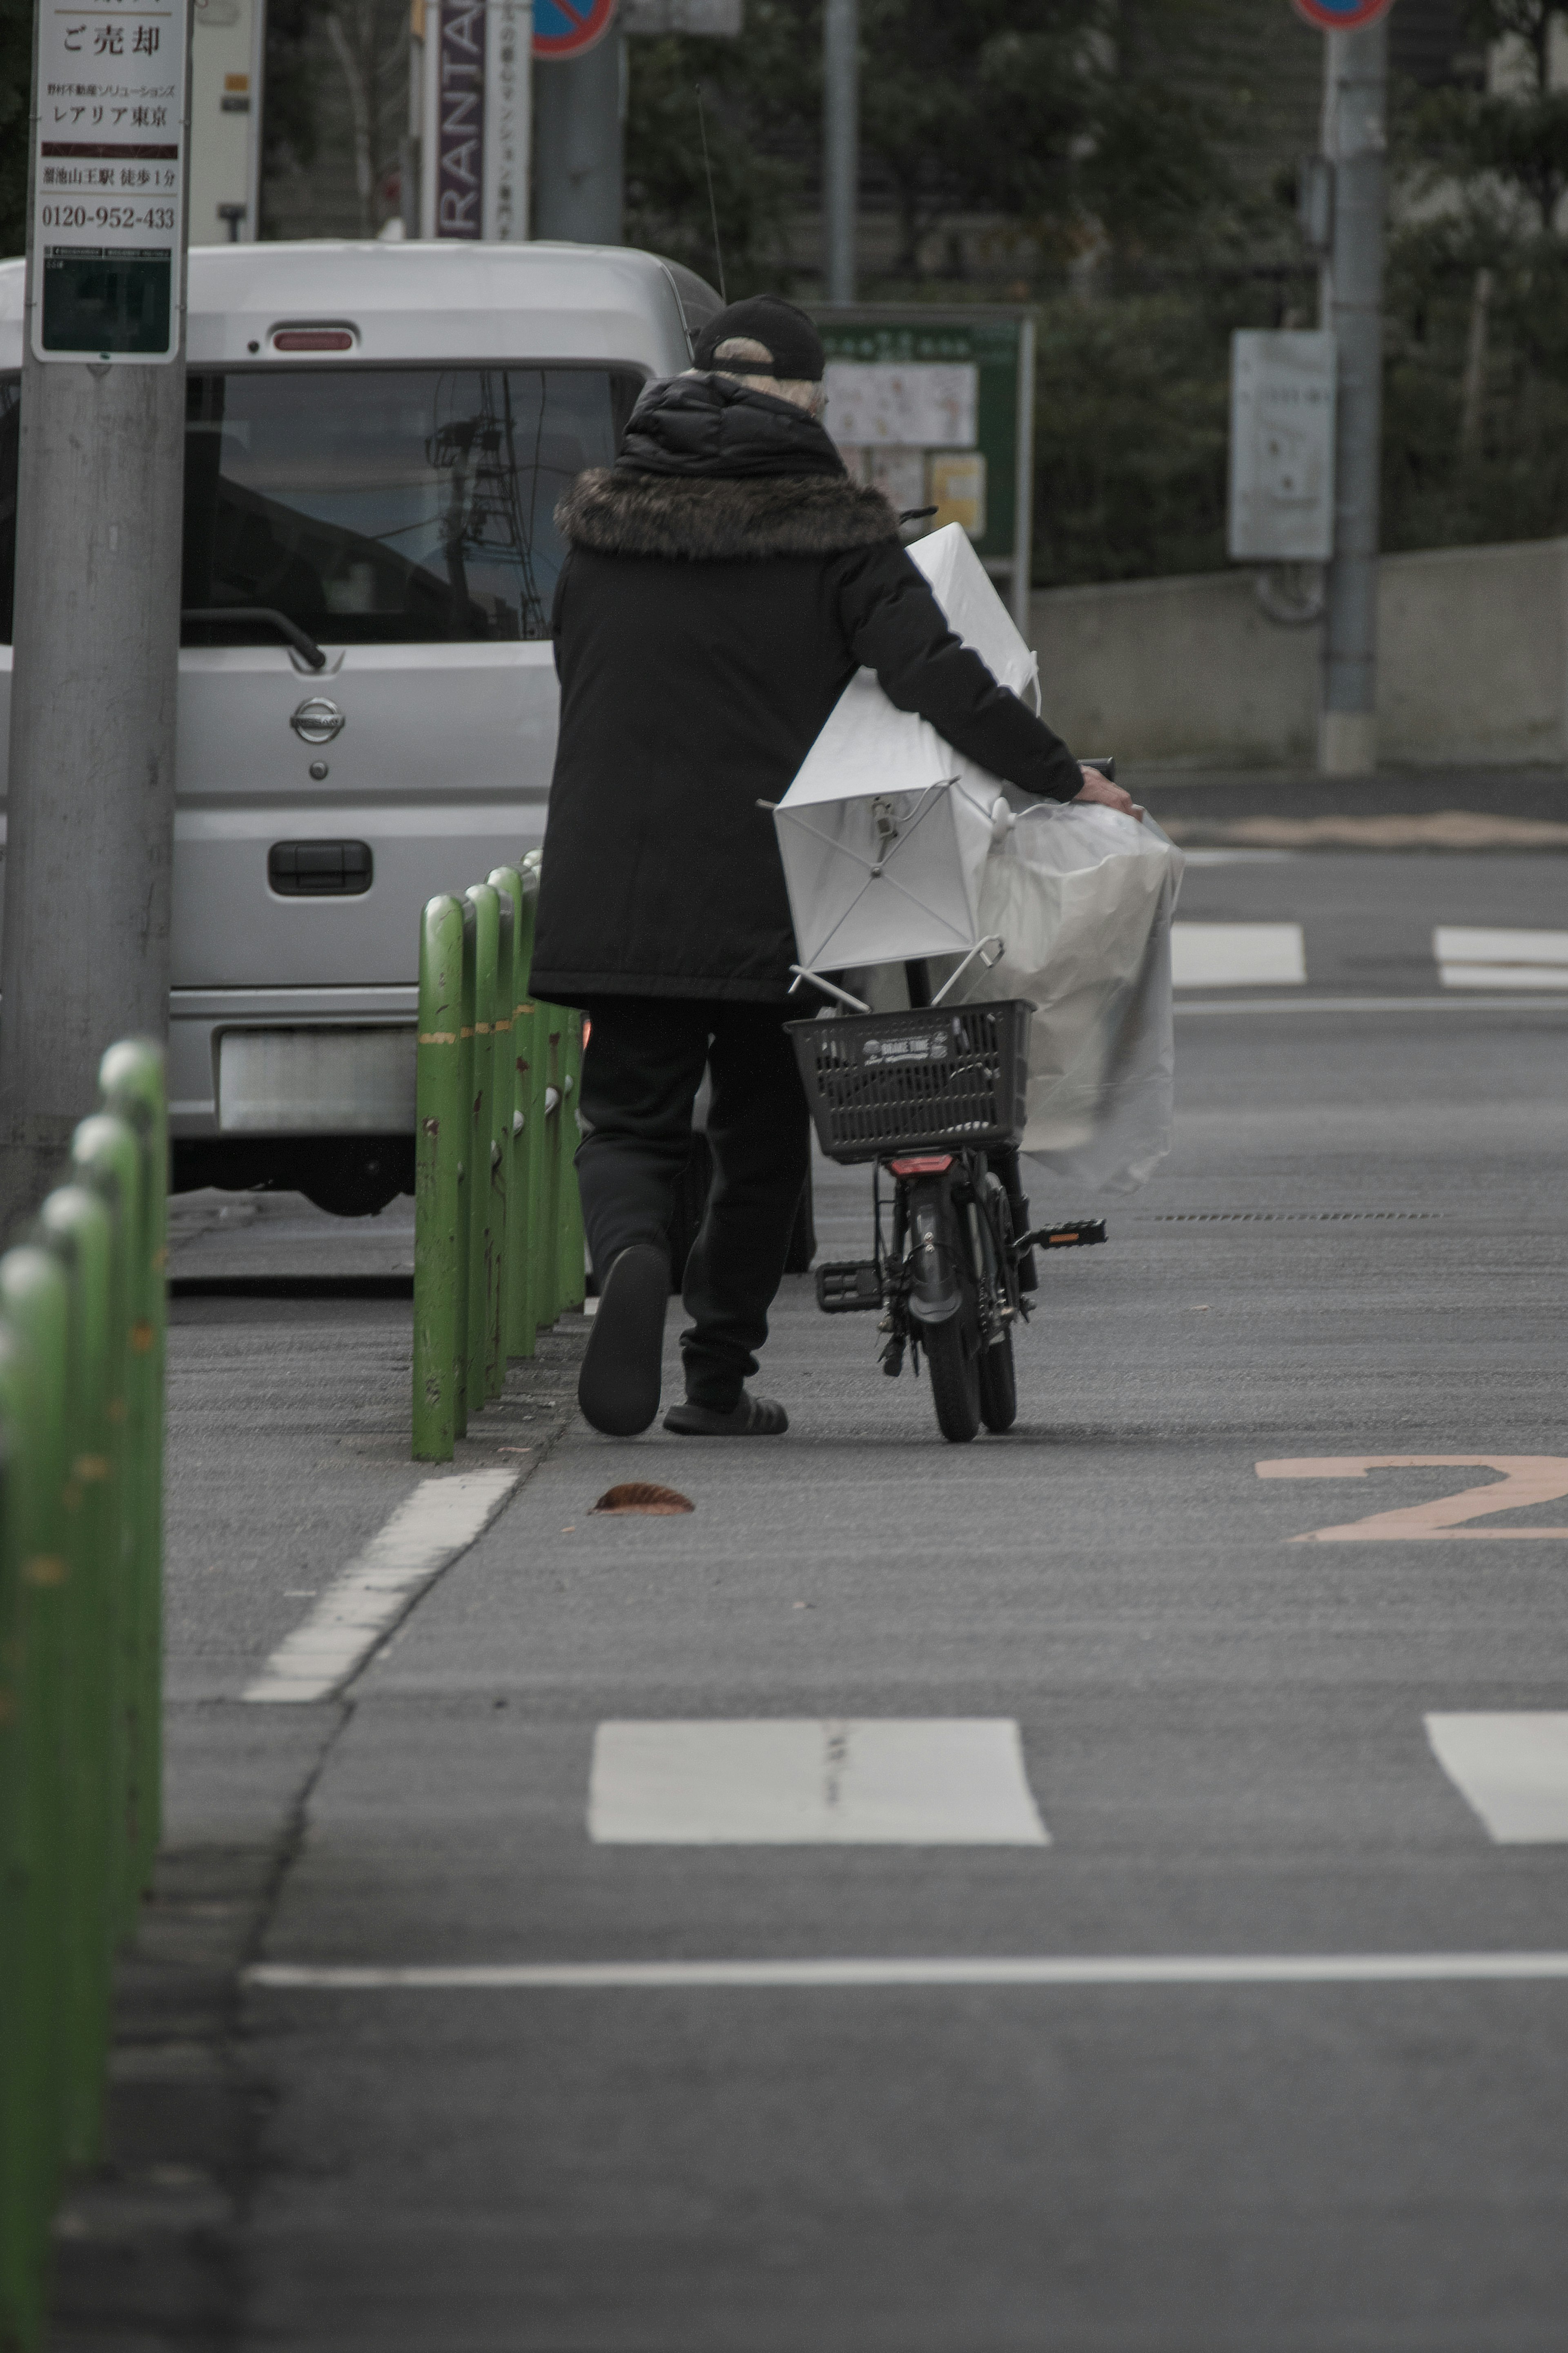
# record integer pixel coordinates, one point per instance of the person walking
(723, 582)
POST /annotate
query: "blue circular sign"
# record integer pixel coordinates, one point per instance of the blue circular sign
(1328, 15)
(564, 28)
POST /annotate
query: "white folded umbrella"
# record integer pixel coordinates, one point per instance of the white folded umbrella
(885, 830)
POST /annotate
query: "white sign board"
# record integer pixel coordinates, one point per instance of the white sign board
(226, 48)
(924, 404)
(1282, 448)
(108, 179)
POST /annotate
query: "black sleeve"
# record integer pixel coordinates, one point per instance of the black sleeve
(895, 627)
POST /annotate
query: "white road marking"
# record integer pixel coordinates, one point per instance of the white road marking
(1109, 1970)
(1238, 955)
(1470, 956)
(795, 1781)
(1368, 1005)
(1511, 1769)
(430, 1528)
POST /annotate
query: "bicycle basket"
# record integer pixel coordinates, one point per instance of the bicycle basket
(879, 1082)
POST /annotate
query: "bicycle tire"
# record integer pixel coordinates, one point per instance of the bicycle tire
(954, 1370)
(998, 1385)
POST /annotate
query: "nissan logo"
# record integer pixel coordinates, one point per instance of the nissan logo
(317, 721)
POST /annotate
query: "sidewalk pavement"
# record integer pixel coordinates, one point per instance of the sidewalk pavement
(1457, 808)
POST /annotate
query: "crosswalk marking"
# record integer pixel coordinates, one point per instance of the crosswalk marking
(1473, 957)
(1238, 955)
(801, 1781)
(1511, 1769)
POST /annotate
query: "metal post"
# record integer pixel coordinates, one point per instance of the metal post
(840, 144)
(503, 1093)
(439, 1137)
(106, 1158)
(515, 1340)
(487, 935)
(75, 1224)
(578, 135)
(133, 1080)
(569, 1218)
(1355, 85)
(91, 794)
(38, 1771)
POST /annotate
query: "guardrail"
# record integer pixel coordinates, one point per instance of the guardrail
(498, 1226)
(81, 1449)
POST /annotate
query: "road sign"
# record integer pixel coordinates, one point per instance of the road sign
(106, 174)
(1341, 16)
(564, 28)
(1282, 390)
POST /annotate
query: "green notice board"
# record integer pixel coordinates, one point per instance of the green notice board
(938, 407)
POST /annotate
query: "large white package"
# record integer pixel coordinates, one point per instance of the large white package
(1082, 898)
(886, 829)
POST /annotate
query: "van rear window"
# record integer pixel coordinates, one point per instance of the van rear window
(384, 506)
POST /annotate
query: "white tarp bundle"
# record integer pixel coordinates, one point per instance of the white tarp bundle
(1082, 900)
(885, 832)
(895, 847)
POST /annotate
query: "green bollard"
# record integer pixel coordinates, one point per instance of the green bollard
(517, 1338)
(487, 944)
(36, 1763)
(134, 1083)
(570, 1213)
(531, 1289)
(440, 1259)
(502, 1094)
(76, 1225)
(106, 1157)
(465, 1122)
(547, 1227)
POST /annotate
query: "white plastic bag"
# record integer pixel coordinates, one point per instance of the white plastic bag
(1082, 898)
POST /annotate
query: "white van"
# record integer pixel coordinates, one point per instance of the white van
(377, 437)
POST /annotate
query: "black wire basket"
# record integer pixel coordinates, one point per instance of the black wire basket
(883, 1083)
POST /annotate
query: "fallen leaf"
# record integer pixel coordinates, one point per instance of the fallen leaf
(639, 1495)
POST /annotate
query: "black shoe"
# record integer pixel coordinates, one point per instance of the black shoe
(753, 1416)
(618, 1385)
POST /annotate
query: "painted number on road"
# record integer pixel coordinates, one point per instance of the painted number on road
(1526, 1478)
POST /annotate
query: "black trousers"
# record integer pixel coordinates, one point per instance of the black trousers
(644, 1064)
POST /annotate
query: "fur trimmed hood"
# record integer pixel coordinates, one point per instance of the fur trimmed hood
(706, 519)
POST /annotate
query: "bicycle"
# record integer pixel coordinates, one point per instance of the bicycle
(934, 1098)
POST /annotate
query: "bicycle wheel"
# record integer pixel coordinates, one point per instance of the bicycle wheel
(998, 1385)
(954, 1368)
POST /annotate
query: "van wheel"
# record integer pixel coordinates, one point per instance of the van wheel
(353, 1185)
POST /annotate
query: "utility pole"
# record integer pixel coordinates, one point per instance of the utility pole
(100, 513)
(1355, 87)
(840, 143)
(579, 134)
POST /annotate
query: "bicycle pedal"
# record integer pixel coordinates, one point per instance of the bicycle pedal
(849, 1288)
(1076, 1233)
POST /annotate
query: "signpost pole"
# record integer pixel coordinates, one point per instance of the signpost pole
(1355, 83)
(100, 512)
(579, 122)
(840, 143)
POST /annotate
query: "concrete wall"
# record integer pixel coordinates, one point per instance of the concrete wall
(1473, 664)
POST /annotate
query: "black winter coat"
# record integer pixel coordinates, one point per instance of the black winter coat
(722, 587)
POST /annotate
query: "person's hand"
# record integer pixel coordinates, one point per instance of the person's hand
(1108, 796)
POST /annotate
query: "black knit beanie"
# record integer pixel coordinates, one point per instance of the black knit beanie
(784, 331)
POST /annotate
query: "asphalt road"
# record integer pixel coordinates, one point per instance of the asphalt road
(1356, 1250)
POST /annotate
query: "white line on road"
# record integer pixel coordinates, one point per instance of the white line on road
(799, 1781)
(1469, 956)
(1457, 1003)
(1109, 1970)
(1238, 955)
(1511, 1769)
(429, 1528)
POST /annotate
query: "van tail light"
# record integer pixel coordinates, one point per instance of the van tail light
(923, 1164)
(312, 339)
